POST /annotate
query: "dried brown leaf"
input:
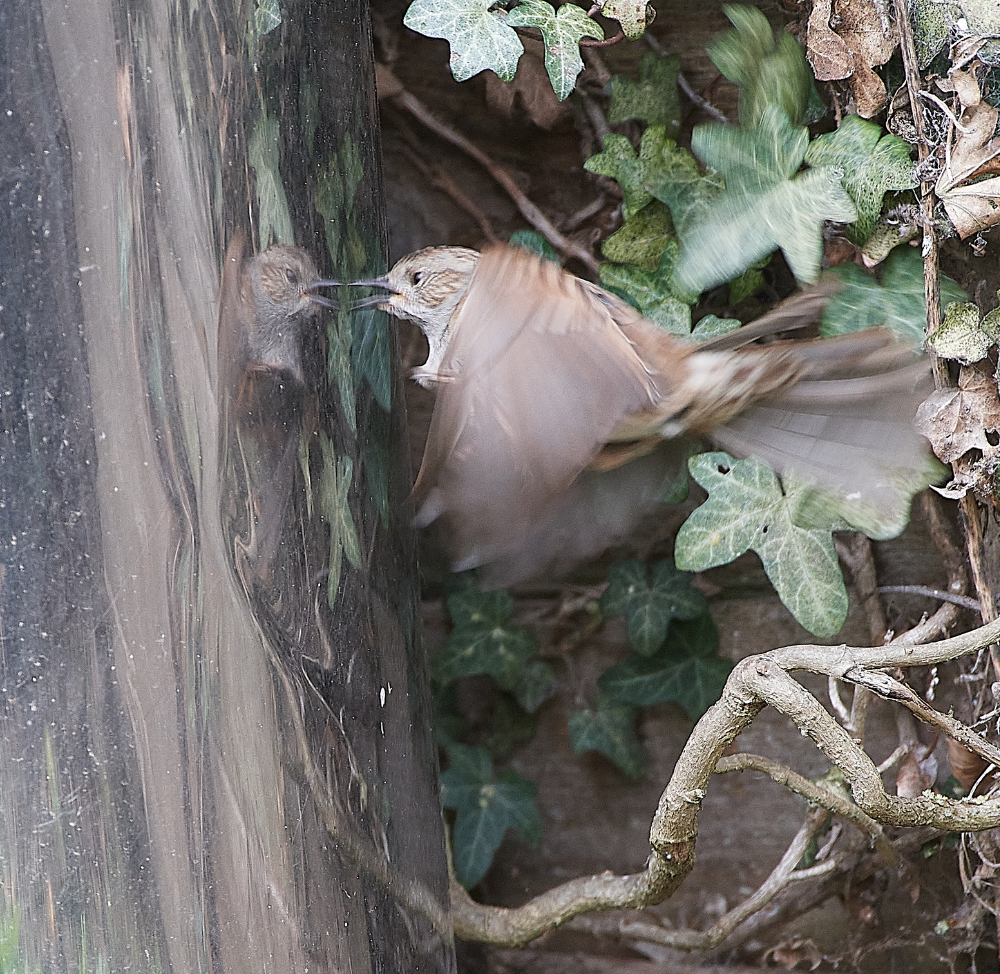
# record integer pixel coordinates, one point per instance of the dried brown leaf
(957, 420)
(965, 766)
(858, 45)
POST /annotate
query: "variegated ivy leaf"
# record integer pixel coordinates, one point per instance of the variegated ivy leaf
(872, 165)
(562, 32)
(747, 510)
(764, 206)
(631, 14)
(479, 36)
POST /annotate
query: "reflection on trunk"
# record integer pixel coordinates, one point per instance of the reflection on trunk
(216, 730)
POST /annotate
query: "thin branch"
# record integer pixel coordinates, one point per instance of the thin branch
(785, 873)
(888, 688)
(817, 794)
(529, 211)
(755, 682)
(932, 593)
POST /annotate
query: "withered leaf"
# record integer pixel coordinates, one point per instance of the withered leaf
(957, 420)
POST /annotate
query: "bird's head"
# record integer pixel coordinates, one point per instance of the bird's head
(425, 287)
(284, 280)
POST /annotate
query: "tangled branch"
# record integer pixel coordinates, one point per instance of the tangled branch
(757, 682)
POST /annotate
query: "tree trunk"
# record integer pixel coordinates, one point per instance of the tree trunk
(216, 747)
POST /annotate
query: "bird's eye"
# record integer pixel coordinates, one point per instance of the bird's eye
(291, 276)
(417, 276)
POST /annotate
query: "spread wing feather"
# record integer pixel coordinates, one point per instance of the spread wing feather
(536, 377)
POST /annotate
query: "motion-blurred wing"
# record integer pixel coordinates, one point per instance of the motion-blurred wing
(536, 377)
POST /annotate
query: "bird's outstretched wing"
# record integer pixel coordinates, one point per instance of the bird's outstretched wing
(536, 377)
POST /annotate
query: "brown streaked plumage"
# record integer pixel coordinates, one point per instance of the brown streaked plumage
(266, 303)
(544, 380)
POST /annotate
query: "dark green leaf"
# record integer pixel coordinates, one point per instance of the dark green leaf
(684, 671)
(536, 684)
(610, 729)
(486, 806)
(470, 607)
(509, 727)
(648, 606)
(498, 651)
(653, 98)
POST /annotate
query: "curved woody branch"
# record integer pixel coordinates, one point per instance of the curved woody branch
(755, 682)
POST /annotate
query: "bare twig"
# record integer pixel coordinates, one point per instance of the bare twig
(781, 876)
(529, 211)
(817, 794)
(932, 593)
(692, 96)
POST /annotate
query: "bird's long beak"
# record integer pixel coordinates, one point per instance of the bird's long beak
(373, 300)
(310, 289)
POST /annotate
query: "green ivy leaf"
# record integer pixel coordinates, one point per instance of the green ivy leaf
(897, 303)
(486, 806)
(771, 74)
(533, 241)
(685, 671)
(643, 238)
(335, 509)
(471, 608)
(509, 727)
(482, 642)
(620, 162)
(536, 684)
(763, 206)
(450, 724)
(673, 176)
(273, 216)
(653, 98)
(479, 37)
(652, 294)
(631, 14)
(962, 336)
(712, 327)
(747, 510)
(562, 32)
(609, 728)
(649, 605)
(871, 165)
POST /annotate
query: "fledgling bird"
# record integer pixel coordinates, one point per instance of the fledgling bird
(267, 303)
(544, 381)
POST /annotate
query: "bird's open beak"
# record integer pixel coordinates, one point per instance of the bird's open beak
(373, 300)
(310, 289)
